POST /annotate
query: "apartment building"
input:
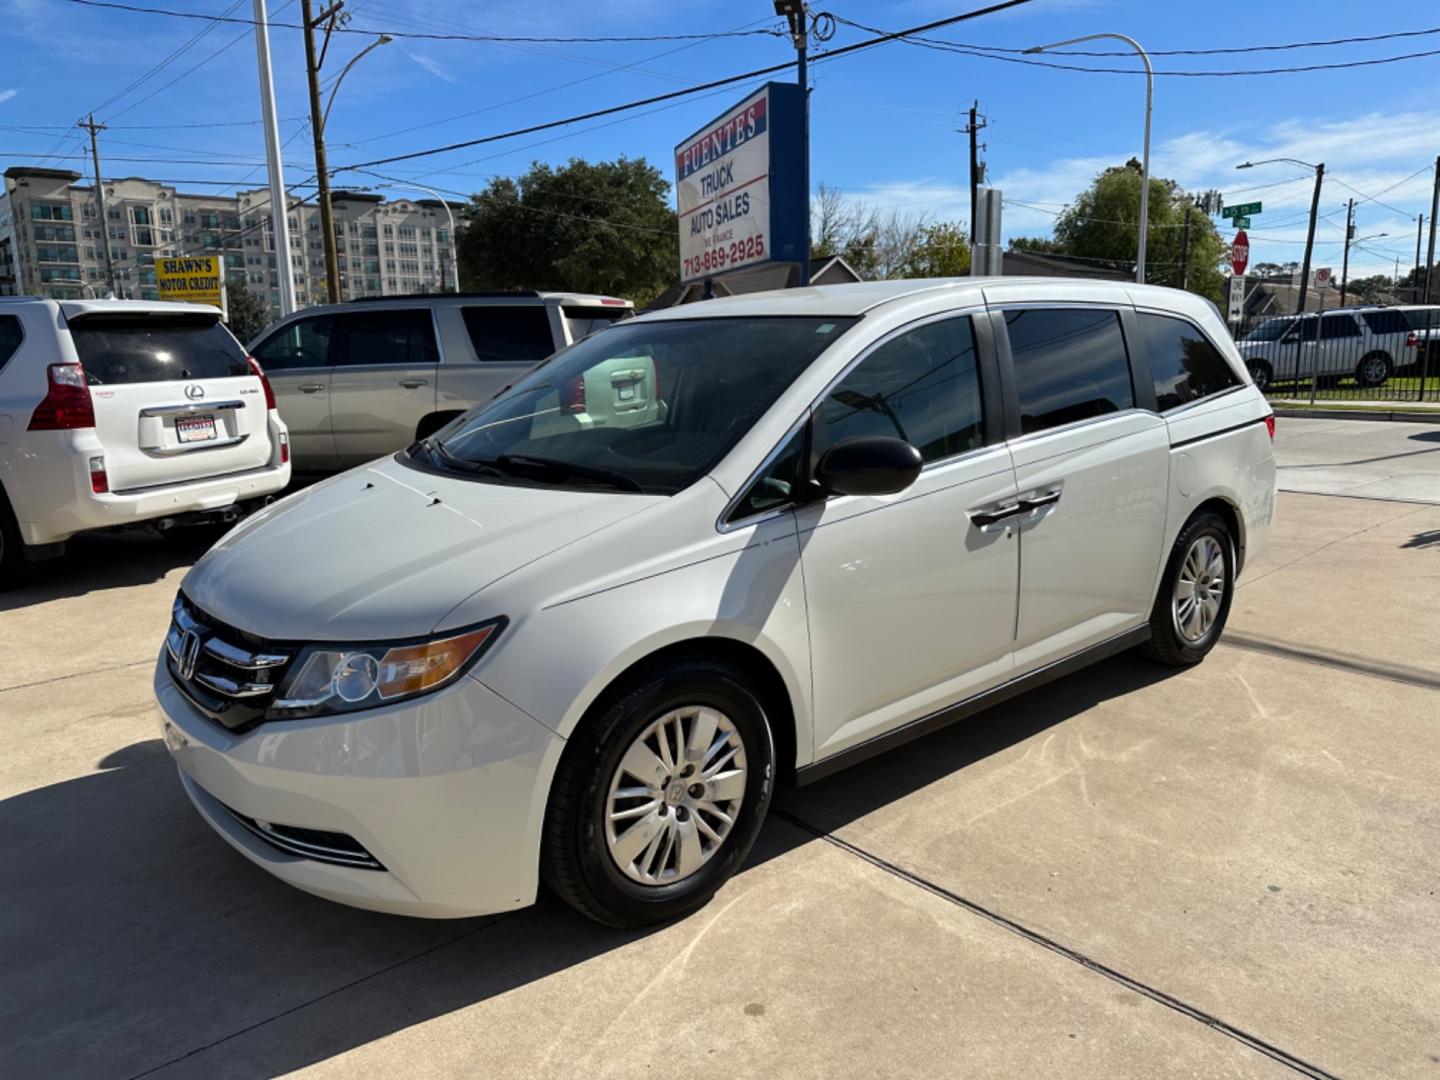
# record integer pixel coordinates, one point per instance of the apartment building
(52, 238)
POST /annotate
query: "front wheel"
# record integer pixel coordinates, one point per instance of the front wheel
(658, 798)
(1194, 599)
(1373, 370)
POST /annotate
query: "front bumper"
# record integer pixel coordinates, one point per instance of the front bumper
(447, 793)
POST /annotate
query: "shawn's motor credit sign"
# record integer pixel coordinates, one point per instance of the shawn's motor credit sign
(739, 186)
(197, 279)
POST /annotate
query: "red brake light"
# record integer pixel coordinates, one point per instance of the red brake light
(610, 301)
(99, 481)
(284, 448)
(1270, 425)
(259, 373)
(67, 403)
(572, 398)
(1411, 339)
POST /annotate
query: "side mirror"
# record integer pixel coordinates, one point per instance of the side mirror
(869, 465)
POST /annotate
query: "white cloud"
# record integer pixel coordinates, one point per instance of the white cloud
(432, 66)
(6, 95)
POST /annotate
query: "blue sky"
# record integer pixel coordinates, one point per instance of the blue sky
(883, 121)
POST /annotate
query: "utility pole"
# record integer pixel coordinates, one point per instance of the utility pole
(797, 15)
(91, 126)
(1185, 251)
(1310, 240)
(279, 205)
(317, 130)
(1345, 259)
(1419, 233)
(1430, 252)
(976, 172)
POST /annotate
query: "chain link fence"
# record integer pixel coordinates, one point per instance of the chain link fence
(1367, 352)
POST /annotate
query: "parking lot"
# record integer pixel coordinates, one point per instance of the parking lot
(1228, 871)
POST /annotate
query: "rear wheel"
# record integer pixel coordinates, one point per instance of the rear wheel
(658, 798)
(12, 548)
(1194, 598)
(1260, 373)
(1373, 370)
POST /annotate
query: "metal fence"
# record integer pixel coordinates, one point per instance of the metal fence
(1357, 353)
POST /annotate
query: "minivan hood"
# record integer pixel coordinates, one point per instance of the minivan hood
(384, 551)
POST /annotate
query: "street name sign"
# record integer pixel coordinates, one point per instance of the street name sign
(1241, 210)
(1242, 223)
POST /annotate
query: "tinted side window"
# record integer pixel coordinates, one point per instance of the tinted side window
(1338, 326)
(385, 337)
(1070, 364)
(116, 349)
(922, 386)
(510, 334)
(1386, 322)
(778, 484)
(304, 343)
(1183, 363)
(10, 338)
(583, 321)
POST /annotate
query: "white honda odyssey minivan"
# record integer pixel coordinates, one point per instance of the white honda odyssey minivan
(581, 631)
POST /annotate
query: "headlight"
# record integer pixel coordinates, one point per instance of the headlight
(342, 678)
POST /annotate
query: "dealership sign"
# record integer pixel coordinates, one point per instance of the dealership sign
(740, 187)
(196, 279)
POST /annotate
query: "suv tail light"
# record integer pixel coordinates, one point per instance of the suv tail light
(1270, 425)
(259, 373)
(1411, 340)
(67, 403)
(572, 397)
(284, 447)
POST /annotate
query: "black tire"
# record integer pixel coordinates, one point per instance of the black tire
(1167, 645)
(576, 860)
(1373, 370)
(14, 570)
(1261, 374)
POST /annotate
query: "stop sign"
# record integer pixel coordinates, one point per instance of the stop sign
(1240, 253)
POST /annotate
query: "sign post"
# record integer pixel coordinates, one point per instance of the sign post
(194, 279)
(740, 192)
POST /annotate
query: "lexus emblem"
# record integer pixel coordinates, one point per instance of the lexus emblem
(194, 391)
(189, 654)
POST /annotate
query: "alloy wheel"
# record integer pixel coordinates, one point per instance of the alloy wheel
(675, 795)
(1372, 371)
(1199, 589)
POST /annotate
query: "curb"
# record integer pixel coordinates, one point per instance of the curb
(1426, 417)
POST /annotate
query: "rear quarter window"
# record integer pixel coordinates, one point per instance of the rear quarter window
(1183, 363)
(583, 321)
(1386, 322)
(117, 349)
(509, 334)
(10, 337)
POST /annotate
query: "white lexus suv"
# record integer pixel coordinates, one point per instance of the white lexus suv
(118, 412)
(581, 631)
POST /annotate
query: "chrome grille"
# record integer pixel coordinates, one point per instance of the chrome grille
(229, 675)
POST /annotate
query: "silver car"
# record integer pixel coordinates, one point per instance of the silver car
(359, 380)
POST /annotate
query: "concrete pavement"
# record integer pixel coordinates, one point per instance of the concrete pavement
(1223, 872)
(1363, 458)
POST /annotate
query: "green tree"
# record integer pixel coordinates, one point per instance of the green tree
(1103, 223)
(248, 313)
(940, 250)
(599, 227)
(1036, 245)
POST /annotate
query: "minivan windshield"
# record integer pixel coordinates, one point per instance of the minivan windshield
(1269, 330)
(641, 407)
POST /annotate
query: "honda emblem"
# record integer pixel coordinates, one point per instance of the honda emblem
(189, 654)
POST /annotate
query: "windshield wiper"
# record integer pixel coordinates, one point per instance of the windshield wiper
(557, 468)
(438, 454)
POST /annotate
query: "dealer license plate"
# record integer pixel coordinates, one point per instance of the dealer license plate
(192, 429)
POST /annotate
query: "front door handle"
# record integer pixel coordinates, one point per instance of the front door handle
(983, 519)
(412, 384)
(311, 387)
(1035, 502)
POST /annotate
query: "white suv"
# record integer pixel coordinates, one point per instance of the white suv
(582, 631)
(118, 412)
(1367, 343)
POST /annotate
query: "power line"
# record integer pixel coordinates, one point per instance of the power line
(1376, 197)
(689, 90)
(170, 59)
(420, 36)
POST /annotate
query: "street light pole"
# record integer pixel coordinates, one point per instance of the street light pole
(454, 261)
(1145, 160)
(1314, 214)
(279, 206)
